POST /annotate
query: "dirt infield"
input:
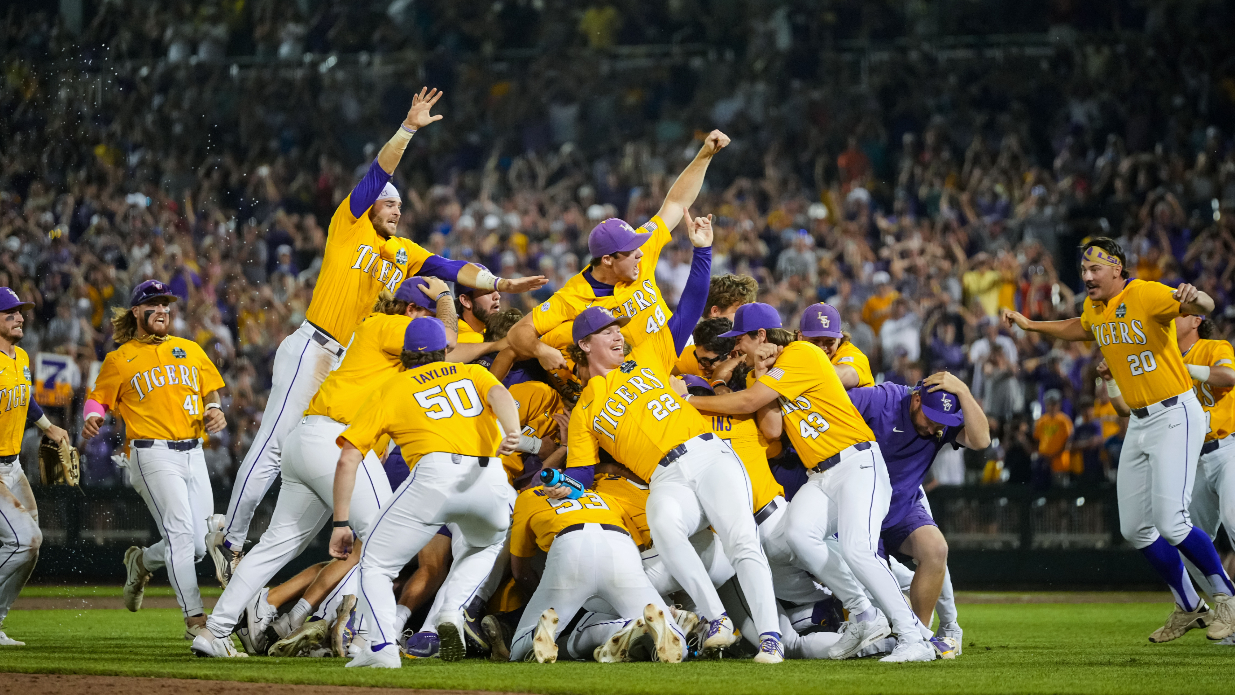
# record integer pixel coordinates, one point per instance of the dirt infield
(115, 685)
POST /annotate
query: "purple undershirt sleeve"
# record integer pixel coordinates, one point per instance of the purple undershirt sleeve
(694, 296)
(365, 193)
(443, 268)
(34, 413)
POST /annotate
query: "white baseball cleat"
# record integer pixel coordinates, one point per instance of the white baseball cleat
(206, 644)
(451, 645)
(856, 635)
(617, 648)
(770, 651)
(953, 632)
(720, 633)
(544, 642)
(1222, 624)
(308, 637)
(136, 578)
(258, 614)
(910, 650)
(386, 657)
(1179, 622)
(225, 559)
(945, 647)
(668, 642)
(343, 629)
(6, 641)
(684, 618)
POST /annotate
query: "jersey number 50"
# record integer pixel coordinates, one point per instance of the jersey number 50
(441, 402)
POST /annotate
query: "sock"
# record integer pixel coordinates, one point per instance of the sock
(379, 647)
(1165, 560)
(402, 615)
(864, 616)
(1200, 551)
(299, 613)
(773, 635)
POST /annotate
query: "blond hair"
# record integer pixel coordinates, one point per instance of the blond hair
(124, 325)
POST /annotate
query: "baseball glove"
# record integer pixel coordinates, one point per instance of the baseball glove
(58, 463)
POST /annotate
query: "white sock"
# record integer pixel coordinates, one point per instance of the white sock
(402, 615)
(300, 613)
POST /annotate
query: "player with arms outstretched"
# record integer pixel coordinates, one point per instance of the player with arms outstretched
(1133, 322)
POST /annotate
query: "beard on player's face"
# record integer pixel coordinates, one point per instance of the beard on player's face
(11, 327)
(385, 217)
(155, 319)
(485, 305)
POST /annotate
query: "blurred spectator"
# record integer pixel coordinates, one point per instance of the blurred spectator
(1053, 430)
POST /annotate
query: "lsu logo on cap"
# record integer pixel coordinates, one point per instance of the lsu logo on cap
(825, 321)
(178, 353)
(1122, 311)
(947, 404)
(401, 257)
(11, 294)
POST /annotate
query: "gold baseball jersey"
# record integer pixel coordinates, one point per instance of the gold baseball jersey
(371, 359)
(537, 403)
(15, 386)
(1219, 406)
(538, 519)
(819, 417)
(634, 500)
(469, 335)
(633, 414)
(438, 407)
(640, 300)
(357, 263)
(688, 362)
(742, 433)
(157, 389)
(1136, 332)
(849, 354)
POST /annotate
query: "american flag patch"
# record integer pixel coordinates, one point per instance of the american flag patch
(776, 373)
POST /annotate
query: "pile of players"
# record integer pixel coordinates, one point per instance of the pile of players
(595, 477)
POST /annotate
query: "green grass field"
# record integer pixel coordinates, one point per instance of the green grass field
(1021, 648)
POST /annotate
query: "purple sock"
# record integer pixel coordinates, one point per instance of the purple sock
(1165, 559)
(1200, 551)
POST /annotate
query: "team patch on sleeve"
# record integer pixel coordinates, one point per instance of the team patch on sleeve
(545, 306)
(846, 359)
(650, 225)
(776, 373)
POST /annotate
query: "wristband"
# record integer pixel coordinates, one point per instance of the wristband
(1199, 372)
(529, 444)
(343, 524)
(1112, 388)
(718, 382)
(402, 136)
(444, 293)
(404, 127)
(214, 406)
(687, 396)
(43, 423)
(486, 280)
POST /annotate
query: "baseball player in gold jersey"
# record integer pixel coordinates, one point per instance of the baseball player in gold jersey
(362, 257)
(1134, 324)
(19, 516)
(166, 391)
(821, 326)
(451, 421)
(629, 409)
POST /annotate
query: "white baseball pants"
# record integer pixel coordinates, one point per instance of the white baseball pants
(1213, 495)
(790, 582)
(306, 502)
(589, 562)
(851, 498)
(443, 488)
(176, 488)
(709, 480)
(20, 536)
(1157, 469)
(303, 361)
(706, 545)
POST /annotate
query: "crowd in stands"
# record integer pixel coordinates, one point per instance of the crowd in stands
(919, 196)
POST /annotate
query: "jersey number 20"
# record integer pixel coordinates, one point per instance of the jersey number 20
(441, 402)
(1144, 362)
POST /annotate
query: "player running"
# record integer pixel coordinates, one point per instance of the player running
(20, 536)
(628, 409)
(1133, 322)
(451, 421)
(167, 392)
(362, 257)
(848, 491)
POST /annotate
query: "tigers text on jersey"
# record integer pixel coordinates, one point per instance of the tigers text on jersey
(537, 403)
(633, 414)
(742, 433)
(372, 358)
(1135, 330)
(819, 417)
(538, 519)
(15, 385)
(438, 407)
(640, 300)
(356, 265)
(1216, 400)
(634, 500)
(849, 354)
(157, 389)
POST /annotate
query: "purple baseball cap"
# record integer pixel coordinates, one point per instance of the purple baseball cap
(821, 321)
(150, 290)
(697, 381)
(425, 334)
(614, 236)
(412, 291)
(592, 320)
(940, 406)
(10, 301)
(752, 317)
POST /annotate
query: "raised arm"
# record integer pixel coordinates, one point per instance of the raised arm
(695, 294)
(1067, 329)
(686, 188)
(1192, 301)
(365, 193)
(750, 400)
